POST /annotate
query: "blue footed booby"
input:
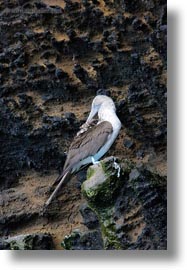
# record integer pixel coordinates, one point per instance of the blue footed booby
(92, 141)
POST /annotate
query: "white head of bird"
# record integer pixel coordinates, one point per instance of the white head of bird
(99, 104)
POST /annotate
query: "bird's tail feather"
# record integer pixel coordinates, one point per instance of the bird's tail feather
(62, 179)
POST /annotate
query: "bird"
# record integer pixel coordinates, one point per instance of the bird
(92, 141)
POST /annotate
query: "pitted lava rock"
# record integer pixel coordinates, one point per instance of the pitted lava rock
(55, 56)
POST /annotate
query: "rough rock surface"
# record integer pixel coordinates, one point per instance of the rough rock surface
(28, 242)
(131, 208)
(55, 56)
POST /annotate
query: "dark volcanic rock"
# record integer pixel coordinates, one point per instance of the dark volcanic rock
(59, 73)
(141, 100)
(28, 242)
(89, 217)
(91, 240)
(4, 245)
(128, 143)
(81, 73)
(104, 92)
(53, 61)
(135, 217)
(83, 76)
(14, 219)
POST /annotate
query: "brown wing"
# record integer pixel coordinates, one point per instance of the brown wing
(88, 143)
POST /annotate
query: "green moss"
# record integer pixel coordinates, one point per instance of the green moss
(69, 240)
(89, 193)
(104, 193)
(101, 198)
(90, 172)
(106, 168)
(22, 243)
(29, 242)
(14, 246)
(108, 229)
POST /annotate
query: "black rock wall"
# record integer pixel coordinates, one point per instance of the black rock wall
(54, 58)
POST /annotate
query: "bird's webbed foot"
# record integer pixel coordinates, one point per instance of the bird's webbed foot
(94, 161)
(116, 166)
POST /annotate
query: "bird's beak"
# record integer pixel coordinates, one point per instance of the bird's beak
(93, 112)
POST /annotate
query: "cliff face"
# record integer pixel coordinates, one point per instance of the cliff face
(125, 208)
(55, 56)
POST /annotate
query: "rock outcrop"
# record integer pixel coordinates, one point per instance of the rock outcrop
(28, 242)
(126, 211)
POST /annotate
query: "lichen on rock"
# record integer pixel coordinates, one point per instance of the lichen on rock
(38, 241)
(90, 240)
(102, 182)
(52, 64)
(101, 189)
(131, 209)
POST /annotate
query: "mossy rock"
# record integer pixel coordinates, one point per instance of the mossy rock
(103, 183)
(131, 208)
(101, 190)
(31, 242)
(70, 240)
(91, 240)
(22, 243)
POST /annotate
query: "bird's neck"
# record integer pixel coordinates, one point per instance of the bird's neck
(107, 113)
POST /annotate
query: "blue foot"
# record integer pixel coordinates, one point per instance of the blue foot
(94, 161)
